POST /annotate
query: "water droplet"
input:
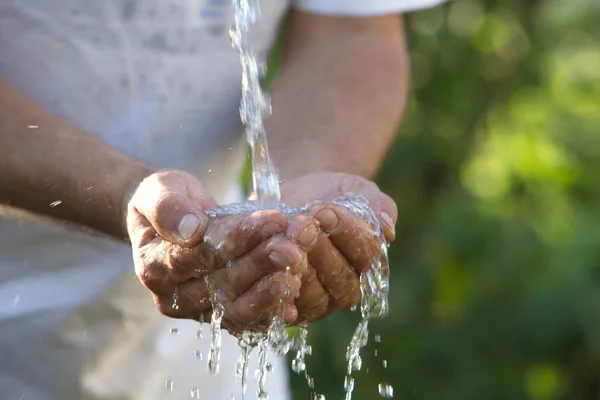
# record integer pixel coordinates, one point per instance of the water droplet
(384, 363)
(175, 306)
(174, 331)
(198, 354)
(195, 393)
(169, 385)
(386, 391)
(377, 338)
(55, 203)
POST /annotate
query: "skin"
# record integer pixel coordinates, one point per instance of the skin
(338, 100)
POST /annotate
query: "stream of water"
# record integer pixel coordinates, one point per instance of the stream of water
(255, 105)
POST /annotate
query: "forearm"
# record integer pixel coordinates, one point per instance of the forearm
(338, 97)
(50, 168)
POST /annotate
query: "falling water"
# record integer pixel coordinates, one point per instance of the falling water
(303, 349)
(254, 106)
(218, 304)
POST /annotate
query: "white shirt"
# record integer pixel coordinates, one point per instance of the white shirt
(158, 80)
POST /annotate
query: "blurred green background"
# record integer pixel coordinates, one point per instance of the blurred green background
(496, 270)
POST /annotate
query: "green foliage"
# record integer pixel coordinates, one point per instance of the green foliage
(496, 270)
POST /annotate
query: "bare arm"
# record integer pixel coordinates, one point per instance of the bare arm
(339, 95)
(56, 162)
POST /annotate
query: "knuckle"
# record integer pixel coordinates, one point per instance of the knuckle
(351, 295)
(316, 309)
(149, 272)
(152, 279)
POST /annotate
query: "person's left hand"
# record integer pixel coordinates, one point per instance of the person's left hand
(345, 247)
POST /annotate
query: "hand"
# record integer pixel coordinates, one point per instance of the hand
(177, 248)
(344, 248)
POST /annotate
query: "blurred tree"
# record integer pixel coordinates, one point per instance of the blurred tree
(496, 270)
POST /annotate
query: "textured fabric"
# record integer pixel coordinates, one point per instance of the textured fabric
(362, 7)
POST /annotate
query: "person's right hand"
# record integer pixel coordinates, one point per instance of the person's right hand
(245, 257)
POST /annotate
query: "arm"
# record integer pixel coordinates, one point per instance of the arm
(339, 95)
(55, 161)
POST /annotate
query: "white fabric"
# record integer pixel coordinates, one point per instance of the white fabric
(362, 7)
(158, 80)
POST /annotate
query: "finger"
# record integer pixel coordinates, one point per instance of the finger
(336, 275)
(313, 302)
(387, 211)
(187, 300)
(226, 238)
(382, 205)
(303, 229)
(255, 308)
(350, 234)
(275, 254)
(235, 235)
(148, 263)
(172, 204)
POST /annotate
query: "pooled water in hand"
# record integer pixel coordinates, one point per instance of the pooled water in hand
(374, 292)
(254, 105)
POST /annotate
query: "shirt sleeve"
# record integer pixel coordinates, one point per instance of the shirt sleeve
(362, 7)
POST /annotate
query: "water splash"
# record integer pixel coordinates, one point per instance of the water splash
(374, 285)
(303, 349)
(254, 105)
(386, 391)
(247, 342)
(261, 371)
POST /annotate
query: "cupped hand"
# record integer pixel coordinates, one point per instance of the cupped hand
(183, 256)
(345, 246)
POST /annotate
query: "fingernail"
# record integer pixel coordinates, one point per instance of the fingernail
(308, 236)
(188, 226)
(389, 222)
(328, 219)
(279, 259)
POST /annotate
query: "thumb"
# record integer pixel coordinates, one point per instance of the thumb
(172, 202)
